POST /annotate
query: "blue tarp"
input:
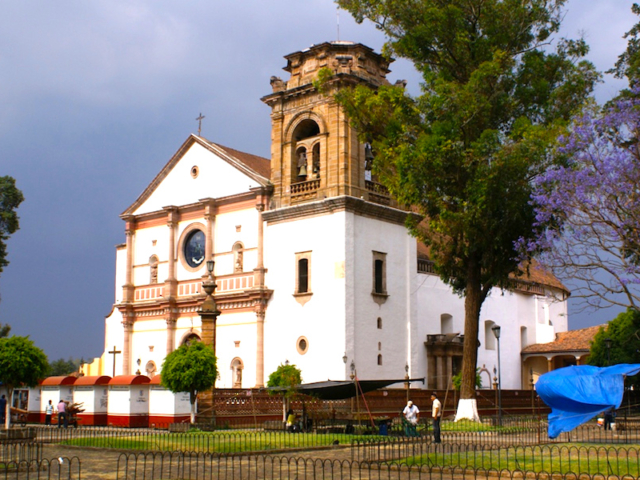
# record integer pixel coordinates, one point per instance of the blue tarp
(577, 394)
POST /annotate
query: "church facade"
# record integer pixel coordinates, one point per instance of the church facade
(313, 263)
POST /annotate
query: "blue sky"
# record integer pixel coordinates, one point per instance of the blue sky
(96, 96)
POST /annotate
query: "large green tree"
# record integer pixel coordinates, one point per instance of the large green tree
(463, 154)
(190, 368)
(64, 367)
(21, 363)
(10, 199)
(623, 335)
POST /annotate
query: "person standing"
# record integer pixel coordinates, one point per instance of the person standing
(48, 412)
(436, 413)
(62, 414)
(412, 415)
(3, 410)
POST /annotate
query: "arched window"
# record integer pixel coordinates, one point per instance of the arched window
(316, 160)
(301, 156)
(192, 337)
(153, 269)
(379, 359)
(151, 369)
(238, 257)
(379, 323)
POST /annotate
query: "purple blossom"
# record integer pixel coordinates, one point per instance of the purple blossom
(589, 207)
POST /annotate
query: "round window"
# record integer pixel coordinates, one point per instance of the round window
(303, 345)
(194, 249)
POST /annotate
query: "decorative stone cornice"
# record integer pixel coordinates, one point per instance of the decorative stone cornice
(328, 206)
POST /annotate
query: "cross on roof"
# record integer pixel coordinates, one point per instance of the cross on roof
(199, 119)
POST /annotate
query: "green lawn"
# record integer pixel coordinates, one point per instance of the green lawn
(219, 442)
(557, 458)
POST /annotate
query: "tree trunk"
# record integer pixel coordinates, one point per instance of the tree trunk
(7, 418)
(467, 407)
(192, 398)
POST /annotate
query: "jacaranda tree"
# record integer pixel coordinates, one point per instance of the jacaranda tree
(590, 205)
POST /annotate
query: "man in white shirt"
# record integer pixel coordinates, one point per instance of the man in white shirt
(411, 415)
(436, 412)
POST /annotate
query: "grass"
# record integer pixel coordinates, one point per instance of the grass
(557, 458)
(218, 442)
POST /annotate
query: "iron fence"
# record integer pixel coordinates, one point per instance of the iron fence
(55, 469)
(248, 467)
(25, 451)
(206, 442)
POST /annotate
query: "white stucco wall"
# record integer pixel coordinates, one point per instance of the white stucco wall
(216, 179)
(365, 341)
(511, 310)
(322, 319)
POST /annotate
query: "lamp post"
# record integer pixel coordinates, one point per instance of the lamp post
(355, 386)
(607, 343)
(406, 379)
(496, 332)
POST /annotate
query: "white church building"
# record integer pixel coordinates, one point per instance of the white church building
(313, 263)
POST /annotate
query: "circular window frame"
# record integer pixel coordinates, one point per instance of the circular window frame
(195, 171)
(186, 234)
(302, 351)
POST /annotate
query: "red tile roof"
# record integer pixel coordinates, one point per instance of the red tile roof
(571, 341)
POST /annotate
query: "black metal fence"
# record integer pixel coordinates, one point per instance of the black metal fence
(55, 469)
(248, 467)
(26, 451)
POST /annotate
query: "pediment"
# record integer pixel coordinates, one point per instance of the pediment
(201, 169)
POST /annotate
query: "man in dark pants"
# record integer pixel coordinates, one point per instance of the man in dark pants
(62, 414)
(3, 410)
(436, 412)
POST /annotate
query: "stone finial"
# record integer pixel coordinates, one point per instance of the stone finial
(277, 84)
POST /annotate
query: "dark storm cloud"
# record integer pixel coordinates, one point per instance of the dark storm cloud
(96, 96)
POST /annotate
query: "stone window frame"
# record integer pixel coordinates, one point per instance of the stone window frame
(381, 294)
(181, 243)
(302, 297)
(300, 349)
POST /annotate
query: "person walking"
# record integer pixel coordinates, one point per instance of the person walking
(62, 414)
(411, 415)
(436, 413)
(48, 412)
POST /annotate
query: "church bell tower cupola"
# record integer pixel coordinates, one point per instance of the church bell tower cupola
(315, 153)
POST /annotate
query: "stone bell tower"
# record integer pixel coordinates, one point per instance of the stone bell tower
(315, 154)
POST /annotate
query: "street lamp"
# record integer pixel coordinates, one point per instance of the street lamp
(406, 379)
(496, 332)
(607, 343)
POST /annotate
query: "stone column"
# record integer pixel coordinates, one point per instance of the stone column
(549, 364)
(439, 372)
(210, 220)
(260, 348)
(170, 284)
(127, 323)
(127, 293)
(171, 334)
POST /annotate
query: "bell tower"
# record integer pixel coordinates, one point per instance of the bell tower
(315, 153)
